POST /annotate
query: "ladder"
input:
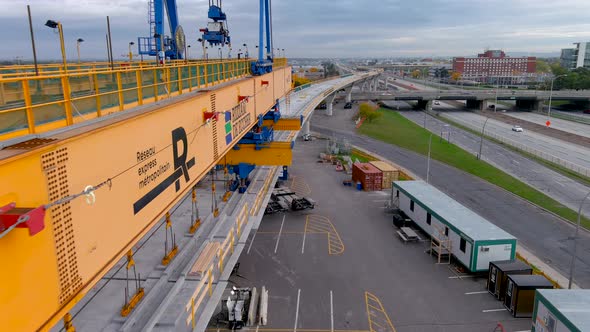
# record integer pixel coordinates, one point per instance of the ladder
(152, 23)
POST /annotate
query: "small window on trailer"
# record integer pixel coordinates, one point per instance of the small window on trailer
(446, 231)
(428, 218)
(397, 193)
(411, 205)
(462, 245)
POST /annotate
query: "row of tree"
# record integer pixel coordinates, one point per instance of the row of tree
(578, 78)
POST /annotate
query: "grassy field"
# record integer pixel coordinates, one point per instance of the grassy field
(395, 129)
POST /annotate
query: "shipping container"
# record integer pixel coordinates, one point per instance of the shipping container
(520, 293)
(390, 173)
(498, 275)
(368, 175)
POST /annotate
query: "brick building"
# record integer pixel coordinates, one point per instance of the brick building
(494, 66)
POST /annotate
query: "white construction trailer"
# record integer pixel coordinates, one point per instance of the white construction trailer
(471, 239)
(561, 310)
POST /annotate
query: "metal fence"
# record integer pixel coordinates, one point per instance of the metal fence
(32, 104)
(523, 147)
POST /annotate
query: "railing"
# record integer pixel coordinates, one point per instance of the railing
(32, 104)
(523, 147)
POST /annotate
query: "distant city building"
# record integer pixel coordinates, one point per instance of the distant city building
(572, 58)
(494, 66)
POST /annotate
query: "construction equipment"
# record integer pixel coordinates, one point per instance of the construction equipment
(216, 32)
(282, 199)
(158, 43)
(237, 306)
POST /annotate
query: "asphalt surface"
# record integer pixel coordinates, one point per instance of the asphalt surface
(555, 185)
(311, 288)
(568, 152)
(545, 235)
(563, 125)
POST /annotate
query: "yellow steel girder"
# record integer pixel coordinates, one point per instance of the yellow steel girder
(276, 154)
(285, 124)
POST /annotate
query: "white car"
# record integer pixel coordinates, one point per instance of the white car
(517, 129)
(436, 102)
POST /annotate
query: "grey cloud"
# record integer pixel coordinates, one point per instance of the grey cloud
(316, 28)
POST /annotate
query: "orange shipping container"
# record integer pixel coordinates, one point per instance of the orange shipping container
(390, 173)
(367, 174)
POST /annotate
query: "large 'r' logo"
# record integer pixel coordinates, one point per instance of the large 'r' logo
(181, 167)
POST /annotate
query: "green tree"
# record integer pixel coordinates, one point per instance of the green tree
(368, 112)
(543, 66)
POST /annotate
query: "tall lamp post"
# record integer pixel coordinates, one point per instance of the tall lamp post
(481, 138)
(130, 51)
(428, 162)
(573, 263)
(188, 48)
(220, 53)
(78, 42)
(551, 92)
(246, 55)
(57, 25)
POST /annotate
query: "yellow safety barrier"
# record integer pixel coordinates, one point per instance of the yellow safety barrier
(31, 104)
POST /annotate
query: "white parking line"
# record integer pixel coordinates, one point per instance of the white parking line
(303, 245)
(250, 246)
(297, 310)
(472, 293)
(459, 277)
(280, 231)
(331, 313)
(494, 310)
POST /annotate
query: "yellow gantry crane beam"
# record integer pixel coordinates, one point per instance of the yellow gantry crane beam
(128, 171)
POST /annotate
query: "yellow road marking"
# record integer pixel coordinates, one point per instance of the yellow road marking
(299, 186)
(319, 224)
(375, 311)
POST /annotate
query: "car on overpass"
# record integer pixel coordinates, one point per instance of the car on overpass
(517, 129)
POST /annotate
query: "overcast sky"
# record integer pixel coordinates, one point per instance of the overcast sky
(313, 28)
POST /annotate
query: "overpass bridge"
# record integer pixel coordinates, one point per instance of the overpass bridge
(525, 99)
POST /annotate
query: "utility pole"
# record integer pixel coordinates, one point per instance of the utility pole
(481, 138)
(33, 41)
(428, 162)
(573, 262)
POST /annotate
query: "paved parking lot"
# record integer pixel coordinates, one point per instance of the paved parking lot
(342, 266)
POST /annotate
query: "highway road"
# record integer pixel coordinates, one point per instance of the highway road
(568, 152)
(545, 235)
(555, 185)
(556, 123)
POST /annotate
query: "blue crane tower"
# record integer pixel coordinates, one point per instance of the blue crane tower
(172, 47)
(265, 59)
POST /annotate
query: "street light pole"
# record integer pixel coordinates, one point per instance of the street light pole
(54, 25)
(573, 263)
(131, 52)
(78, 41)
(481, 138)
(428, 163)
(551, 93)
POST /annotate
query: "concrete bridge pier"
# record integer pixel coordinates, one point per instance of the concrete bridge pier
(305, 129)
(330, 104)
(348, 92)
(424, 105)
(484, 105)
(474, 104)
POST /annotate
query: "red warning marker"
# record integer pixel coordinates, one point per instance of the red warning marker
(548, 123)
